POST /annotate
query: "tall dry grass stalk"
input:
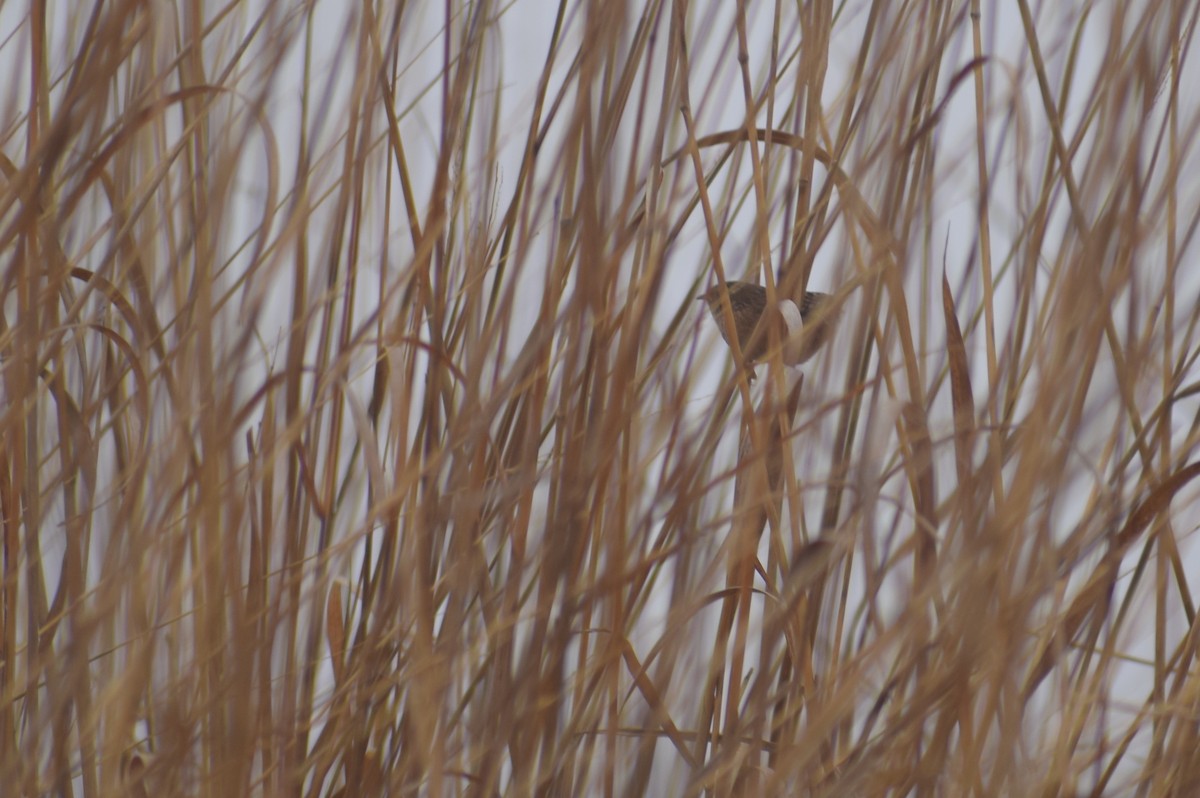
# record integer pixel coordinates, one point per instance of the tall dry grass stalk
(361, 435)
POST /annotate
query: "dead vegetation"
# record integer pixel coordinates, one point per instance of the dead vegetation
(362, 435)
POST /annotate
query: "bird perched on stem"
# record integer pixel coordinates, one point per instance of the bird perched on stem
(802, 330)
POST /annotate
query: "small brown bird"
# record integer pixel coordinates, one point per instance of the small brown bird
(802, 331)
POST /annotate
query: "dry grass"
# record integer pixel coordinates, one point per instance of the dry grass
(362, 437)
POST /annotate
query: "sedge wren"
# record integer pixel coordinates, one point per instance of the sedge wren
(802, 331)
